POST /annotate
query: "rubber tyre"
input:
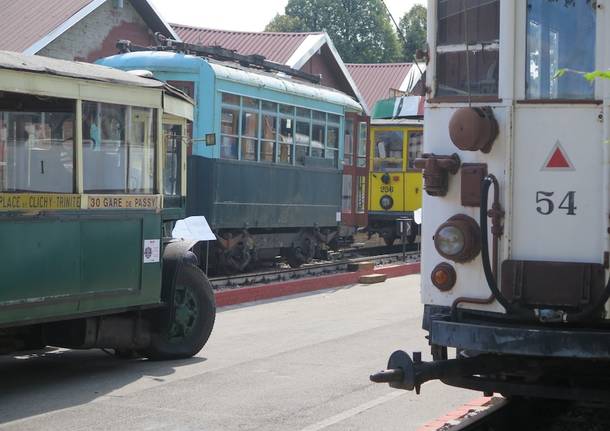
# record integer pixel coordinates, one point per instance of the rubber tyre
(201, 294)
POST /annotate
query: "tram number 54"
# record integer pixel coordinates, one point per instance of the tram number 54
(547, 206)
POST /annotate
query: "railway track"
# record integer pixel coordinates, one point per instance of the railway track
(310, 270)
(533, 415)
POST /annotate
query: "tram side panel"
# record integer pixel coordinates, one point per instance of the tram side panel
(257, 196)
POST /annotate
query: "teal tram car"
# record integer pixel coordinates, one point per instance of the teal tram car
(92, 179)
(266, 168)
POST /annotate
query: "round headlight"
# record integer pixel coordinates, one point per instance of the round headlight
(386, 202)
(458, 239)
(450, 240)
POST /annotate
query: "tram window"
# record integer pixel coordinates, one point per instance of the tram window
(228, 147)
(415, 147)
(560, 35)
(362, 142)
(286, 141)
(118, 148)
(269, 106)
(268, 135)
(317, 140)
(249, 124)
(268, 132)
(318, 116)
(172, 140)
(303, 113)
(467, 47)
(36, 144)
(229, 128)
(248, 102)
(348, 144)
(388, 150)
(286, 109)
(302, 133)
(249, 148)
(333, 137)
(230, 99)
(249, 133)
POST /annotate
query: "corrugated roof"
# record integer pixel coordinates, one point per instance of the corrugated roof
(24, 22)
(277, 47)
(376, 81)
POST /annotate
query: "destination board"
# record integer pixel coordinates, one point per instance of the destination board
(39, 201)
(123, 202)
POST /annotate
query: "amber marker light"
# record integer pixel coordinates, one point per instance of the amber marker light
(458, 239)
(443, 276)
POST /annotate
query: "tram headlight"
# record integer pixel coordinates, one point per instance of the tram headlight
(458, 239)
(386, 202)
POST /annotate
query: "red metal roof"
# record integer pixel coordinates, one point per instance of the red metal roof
(24, 22)
(376, 81)
(277, 47)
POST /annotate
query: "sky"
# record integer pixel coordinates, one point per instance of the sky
(241, 15)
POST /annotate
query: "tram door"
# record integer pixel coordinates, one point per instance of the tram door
(355, 169)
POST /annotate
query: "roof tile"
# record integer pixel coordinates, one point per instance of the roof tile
(24, 22)
(277, 47)
(376, 81)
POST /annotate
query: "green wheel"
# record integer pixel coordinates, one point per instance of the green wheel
(194, 312)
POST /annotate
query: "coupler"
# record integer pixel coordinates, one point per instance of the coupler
(409, 374)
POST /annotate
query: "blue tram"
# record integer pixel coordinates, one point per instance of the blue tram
(267, 156)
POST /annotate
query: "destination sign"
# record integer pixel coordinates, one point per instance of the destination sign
(123, 202)
(39, 202)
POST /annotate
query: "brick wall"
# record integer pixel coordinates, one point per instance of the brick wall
(96, 35)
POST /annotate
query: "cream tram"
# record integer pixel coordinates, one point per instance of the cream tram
(92, 180)
(516, 233)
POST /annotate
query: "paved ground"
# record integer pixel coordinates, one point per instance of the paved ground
(294, 364)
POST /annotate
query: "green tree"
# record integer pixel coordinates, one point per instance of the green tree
(360, 29)
(413, 27)
(284, 23)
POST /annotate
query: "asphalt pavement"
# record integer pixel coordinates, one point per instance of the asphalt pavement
(300, 363)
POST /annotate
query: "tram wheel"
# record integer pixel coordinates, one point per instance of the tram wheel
(389, 240)
(194, 312)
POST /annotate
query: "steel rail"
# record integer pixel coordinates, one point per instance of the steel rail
(309, 270)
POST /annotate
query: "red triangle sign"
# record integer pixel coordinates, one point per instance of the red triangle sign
(558, 159)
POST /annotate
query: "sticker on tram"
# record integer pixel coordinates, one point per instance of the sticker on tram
(123, 202)
(558, 160)
(152, 249)
(38, 202)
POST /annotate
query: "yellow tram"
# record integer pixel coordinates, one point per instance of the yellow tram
(395, 185)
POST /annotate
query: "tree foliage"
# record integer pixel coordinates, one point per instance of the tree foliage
(360, 29)
(413, 27)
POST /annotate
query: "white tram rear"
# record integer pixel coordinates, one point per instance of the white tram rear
(515, 282)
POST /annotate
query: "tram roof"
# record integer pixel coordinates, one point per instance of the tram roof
(73, 69)
(178, 62)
